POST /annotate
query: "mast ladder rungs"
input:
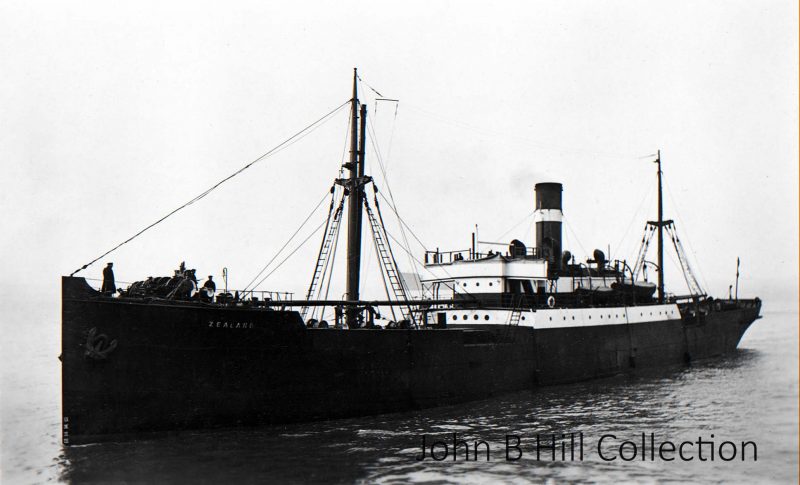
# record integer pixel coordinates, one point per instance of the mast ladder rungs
(322, 259)
(387, 261)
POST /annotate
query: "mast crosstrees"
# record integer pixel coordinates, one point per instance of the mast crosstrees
(356, 203)
(659, 226)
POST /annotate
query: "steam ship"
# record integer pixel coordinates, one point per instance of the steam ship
(161, 356)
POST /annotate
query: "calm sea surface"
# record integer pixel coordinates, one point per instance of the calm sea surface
(749, 396)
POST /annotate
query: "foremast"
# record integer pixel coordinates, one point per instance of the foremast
(355, 185)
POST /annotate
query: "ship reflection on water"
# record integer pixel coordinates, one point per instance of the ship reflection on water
(724, 397)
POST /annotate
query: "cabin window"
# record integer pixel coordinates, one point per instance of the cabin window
(551, 319)
(475, 317)
(490, 283)
(486, 317)
(455, 317)
(523, 318)
(478, 284)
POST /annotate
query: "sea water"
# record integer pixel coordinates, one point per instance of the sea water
(749, 396)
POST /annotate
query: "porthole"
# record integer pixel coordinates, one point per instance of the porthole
(573, 317)
(616, 316)
(475, 317)
(455, 317)
(590, 317)
(464, 283)
(551, 319)
(565, 317)
(490, 283)
(601, 317)
(651, 314)
(641, 314)
(464, 317)
(523, 318)
(478, 284)
(486, 317)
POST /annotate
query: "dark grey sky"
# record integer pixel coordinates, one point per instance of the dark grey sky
(115, 114)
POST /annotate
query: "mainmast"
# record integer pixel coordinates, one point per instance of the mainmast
(660, 234)
(354, 185)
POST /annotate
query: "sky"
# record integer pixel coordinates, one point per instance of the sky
(115, 114)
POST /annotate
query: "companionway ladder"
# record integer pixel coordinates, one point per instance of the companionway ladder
(516, 313)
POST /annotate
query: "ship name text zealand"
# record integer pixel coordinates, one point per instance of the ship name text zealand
(225, 324)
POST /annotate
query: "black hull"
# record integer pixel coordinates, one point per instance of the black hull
(188, 365)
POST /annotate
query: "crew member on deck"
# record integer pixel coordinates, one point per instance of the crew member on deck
(109, 287)
(210, 284)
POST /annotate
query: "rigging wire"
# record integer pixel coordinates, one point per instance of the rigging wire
(330, 237)
(365, 261)
(575, 236)
(290, 254)
(424, 266)
(685, 232)
(676, 266)
(330, 260)
(302, 224)
(331, 264)
(346, 137)
(392, 203)
(394, 125)
(635, 216)
(370, 87)
(382, 273)
(683, 259)
(519, 223)
(530, 229)
(391, 261)
(203, 194)
(383, 168)
(402, 222)
(493, 134)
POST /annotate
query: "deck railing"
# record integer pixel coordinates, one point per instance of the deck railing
(448, 257)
